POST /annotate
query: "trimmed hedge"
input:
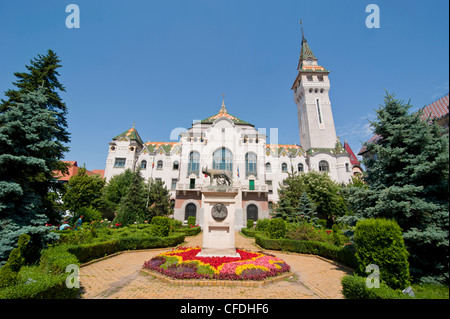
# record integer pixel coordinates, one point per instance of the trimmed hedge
(339, 254)
(48, 280)
(354, 287)
(191, 231)
(88, 252)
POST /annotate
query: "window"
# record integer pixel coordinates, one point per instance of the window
(300, 167)
(192, 183)
(190, 210)
(159, 165)
(174, 184)
(144, 164)
(250, 164)
(347, 167)
(320, 77)
(158, 180)
(252, 212)
(176, 166)
(318, 111)
(309, 77)
(268, 168)
(284, 168)
(323, 166)
(269, 187)
(119, 162)
(194, 163)
(223, 159)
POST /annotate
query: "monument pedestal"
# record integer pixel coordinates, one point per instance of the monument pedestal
(219, 206)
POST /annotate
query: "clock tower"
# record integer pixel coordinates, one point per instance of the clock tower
(311, 88)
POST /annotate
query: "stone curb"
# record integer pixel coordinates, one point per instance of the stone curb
(216, 283)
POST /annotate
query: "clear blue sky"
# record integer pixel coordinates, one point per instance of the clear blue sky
(163, 64)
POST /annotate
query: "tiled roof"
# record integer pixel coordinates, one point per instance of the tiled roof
(165, 147)
(435, 110)
(353, 158)
(224, 113)
(284, 150)
(131, 134)
(73, 170)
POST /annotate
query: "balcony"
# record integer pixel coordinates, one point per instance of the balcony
(259, 189)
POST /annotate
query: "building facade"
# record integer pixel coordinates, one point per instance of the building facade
(224, 141)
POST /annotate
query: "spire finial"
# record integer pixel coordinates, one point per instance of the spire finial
(134, 124)
(222, 108)
(301, 25)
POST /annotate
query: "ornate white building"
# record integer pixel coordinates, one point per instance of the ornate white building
(224, 141)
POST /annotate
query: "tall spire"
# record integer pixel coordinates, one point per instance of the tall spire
(222, 108)
(305, 52)
(303, 37)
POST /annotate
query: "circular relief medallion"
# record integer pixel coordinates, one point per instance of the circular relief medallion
(219, 212)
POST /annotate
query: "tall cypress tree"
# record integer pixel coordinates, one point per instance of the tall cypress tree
(43, 73)
(408, 182)
(27, 146)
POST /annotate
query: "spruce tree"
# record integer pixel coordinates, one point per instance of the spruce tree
(408, 182)
(42, 72)
(158, 200)
(132, 207)
(306, 209)
(27, 155)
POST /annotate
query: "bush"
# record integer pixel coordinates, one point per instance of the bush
(380, 242)
(262, 224)
(90, 214)
(36, 284)
(322, 223)
(16, 259)
(56, 259)
(189, 231)
(277, 228)
(302, 231)
(161, 226)
(250, 223)
(326, 250)
(191, 221)
(354, 287)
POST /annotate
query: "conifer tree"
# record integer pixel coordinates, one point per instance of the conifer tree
(132, 207)
(307, 209)
(408, 182)
(158, 200)
(27, 155)
(42, 72)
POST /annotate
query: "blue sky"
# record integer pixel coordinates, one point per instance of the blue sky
(163, 64)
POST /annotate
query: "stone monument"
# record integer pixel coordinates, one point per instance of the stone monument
(219, 207)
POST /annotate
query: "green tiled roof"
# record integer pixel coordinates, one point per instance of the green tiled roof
(131, 134)
(224, 113)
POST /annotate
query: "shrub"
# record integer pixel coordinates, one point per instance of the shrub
(16, 259)
(56, 259)
(262, 224)
(90, 214)
(250, 223)
(175, 223)
(277, 228)
(302, 231)
(380, 242)
(322, 223)
(354, 287)
(161, 226)
(191, 221)
(326, 250)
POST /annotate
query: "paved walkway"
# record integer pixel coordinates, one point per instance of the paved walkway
(119, 277)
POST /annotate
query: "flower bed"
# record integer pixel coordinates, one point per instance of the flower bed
(183, 263)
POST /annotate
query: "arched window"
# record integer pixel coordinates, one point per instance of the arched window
(194, 163)
(223, 159)
(284, 168)
(176, 165)
(252, 212)
(144, 164)
(268, 168)
(250, 164)
(190, 210)
(323, 166)
(159, 165)
(300, 167)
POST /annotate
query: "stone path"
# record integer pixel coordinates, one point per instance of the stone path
(119, 277)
